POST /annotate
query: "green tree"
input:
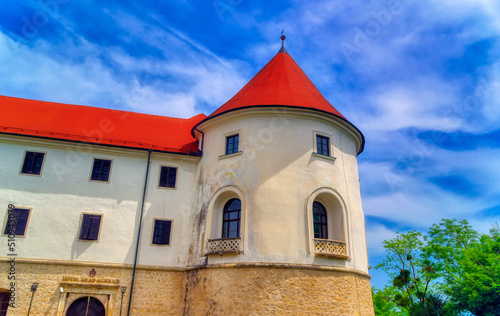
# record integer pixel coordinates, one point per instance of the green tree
(411, 272)
(433, 305)
(383, 303)
(477, 287)
(453, 270)
(446, 242)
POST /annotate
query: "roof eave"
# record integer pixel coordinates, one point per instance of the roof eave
(361, 136)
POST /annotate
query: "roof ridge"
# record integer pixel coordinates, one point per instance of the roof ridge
(99, 108)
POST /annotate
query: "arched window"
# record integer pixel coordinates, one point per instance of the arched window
(320, 221)
(231, 219)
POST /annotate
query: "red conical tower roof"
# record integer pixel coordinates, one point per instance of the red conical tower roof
(281, 83)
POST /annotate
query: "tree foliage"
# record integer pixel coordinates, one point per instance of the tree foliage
(384, 305)
(411, 272)
(477, 287)
(452, 270)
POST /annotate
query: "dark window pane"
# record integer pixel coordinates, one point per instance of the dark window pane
(234, 205)
(90, 227)
(106, 166)
(224, 229)
(95, 221)
(32, 162)
(172, 174)
(320, 221)
(22, 221)
(231, 219)
(17, 220)
(163, 176)
(84, 231)
(38, 163)
(161, 234)
(323, 145)
(168, 176)
(101, 170)
(233, 226)
(28, 163)
(97, 170)
(232, 144)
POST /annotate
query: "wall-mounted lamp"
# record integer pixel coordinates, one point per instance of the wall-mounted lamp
(34, 286)
(123, 289)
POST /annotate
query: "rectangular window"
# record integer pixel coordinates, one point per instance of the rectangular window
(323, 145)
(17, 221)
(232, 144)
(161, 232)
(168, 177)
(33, 162)
(101, 170)
(90, 227)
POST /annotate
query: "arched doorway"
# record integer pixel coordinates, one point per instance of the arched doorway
(86, 306)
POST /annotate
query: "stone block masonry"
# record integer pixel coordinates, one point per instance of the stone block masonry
(222, 290)
(279, 290)
(157, 291)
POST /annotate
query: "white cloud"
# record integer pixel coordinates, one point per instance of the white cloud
(37, 73)
(419, 104)
(375, 235)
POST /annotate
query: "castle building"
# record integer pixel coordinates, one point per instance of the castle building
(253, 210)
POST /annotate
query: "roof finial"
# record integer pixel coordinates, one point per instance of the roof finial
(283, 37)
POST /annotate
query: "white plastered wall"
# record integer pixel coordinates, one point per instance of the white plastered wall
(63, 192)
(280, 173)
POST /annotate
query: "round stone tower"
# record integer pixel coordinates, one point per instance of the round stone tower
(280, 228)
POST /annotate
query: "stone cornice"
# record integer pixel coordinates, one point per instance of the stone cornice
(271, 265)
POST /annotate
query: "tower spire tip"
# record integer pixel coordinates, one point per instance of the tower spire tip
(283, 37)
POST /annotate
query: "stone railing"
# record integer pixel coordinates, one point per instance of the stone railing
(330, 248)
(224, 246)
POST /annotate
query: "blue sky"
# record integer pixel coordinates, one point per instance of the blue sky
(421, 79)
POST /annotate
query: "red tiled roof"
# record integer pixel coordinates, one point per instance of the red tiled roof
(280, 83)
(97, 125)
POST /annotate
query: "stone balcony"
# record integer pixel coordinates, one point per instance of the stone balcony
(330, 248)
(224, 246)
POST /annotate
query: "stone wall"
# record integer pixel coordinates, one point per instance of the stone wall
(277, 291)
(156, 292)
(226, 290)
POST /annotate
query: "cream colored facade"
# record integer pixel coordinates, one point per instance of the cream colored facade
(275, 267)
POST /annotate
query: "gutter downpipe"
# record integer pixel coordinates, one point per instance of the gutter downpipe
(139, 234)
(202, 139)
